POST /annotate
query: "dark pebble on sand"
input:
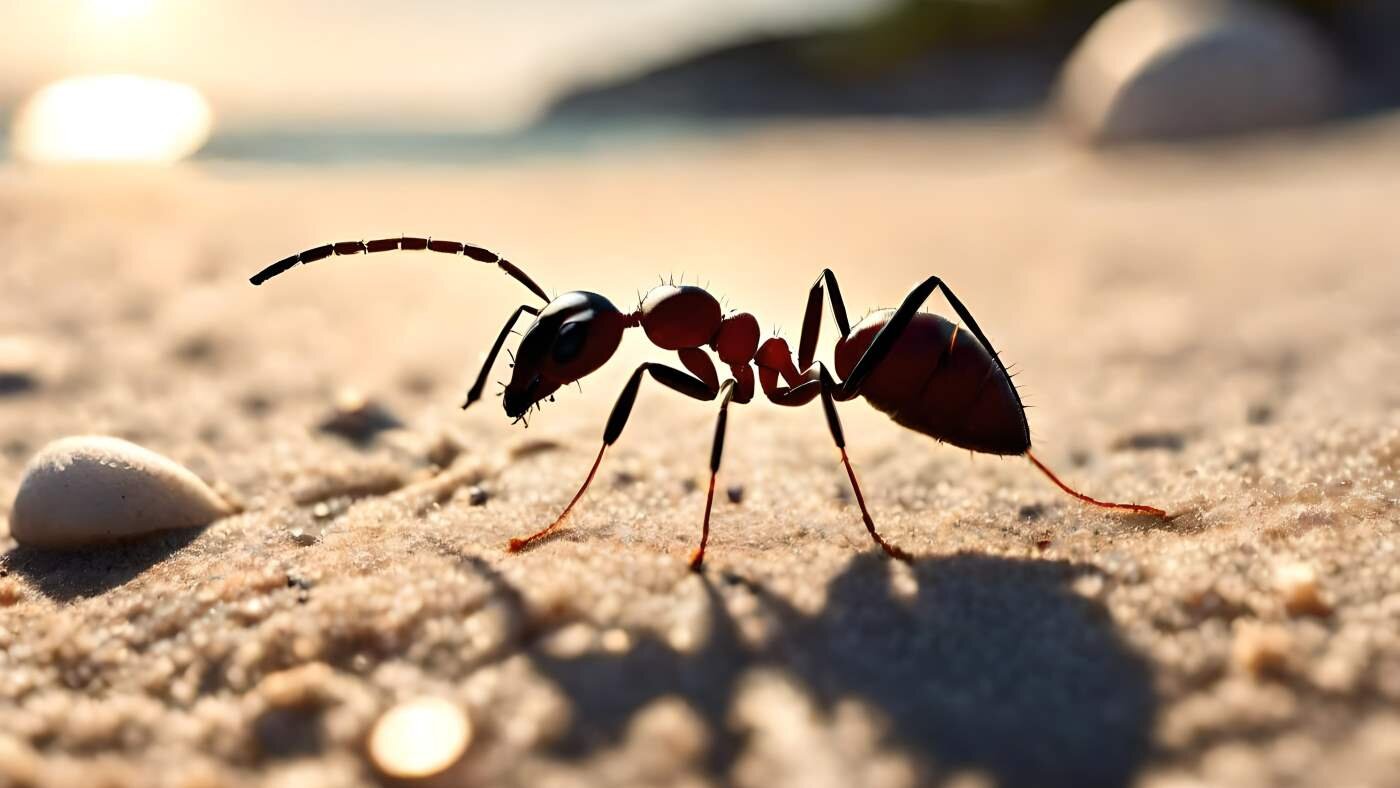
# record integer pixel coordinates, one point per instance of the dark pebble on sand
(1149, 440)
(358, 418)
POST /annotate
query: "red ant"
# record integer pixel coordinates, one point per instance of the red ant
(920, 369)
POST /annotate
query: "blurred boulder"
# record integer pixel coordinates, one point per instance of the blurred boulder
(1165, 69)
(1369, 32)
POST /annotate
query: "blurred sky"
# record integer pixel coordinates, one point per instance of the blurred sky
(407, 65)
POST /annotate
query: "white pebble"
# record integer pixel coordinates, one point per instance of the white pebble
(88, 490)
(419, 738)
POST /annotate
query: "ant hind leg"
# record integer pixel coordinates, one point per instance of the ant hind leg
(833, 421)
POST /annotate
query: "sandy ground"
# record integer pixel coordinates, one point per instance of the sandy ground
(1212, 330)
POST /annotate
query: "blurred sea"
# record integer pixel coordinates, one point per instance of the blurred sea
(566, 139)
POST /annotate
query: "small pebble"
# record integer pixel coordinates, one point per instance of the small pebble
(736, 493)
(10, 593)
(300, 687)
(1088, 586)
(616, 641)
(357, 418)
(420, 738)
(20, 365)
(528, 447)
(1259, 413)
(88, 490)
(1297, 583)
(444, 449)
(196, 349)
(302, 537)
(476, 495)
(1261, 650)
(1149, 440)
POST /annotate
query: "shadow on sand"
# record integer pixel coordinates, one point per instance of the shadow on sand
(67, 575)
(994, 664)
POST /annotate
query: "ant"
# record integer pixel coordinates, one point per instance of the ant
(922, 370)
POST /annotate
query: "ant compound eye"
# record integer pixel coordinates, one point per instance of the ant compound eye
(573, 336)
(570, 342)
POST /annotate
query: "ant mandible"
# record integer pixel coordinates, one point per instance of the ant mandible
(920, 369)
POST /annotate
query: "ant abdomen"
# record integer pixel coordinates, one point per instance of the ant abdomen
(939, 380)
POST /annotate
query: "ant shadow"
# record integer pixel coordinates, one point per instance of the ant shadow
(993, 664)
(67, 575)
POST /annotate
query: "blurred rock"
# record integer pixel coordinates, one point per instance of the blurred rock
(87, 490)
(1165, 69)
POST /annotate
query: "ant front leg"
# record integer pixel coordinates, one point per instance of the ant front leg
(667, 376)
(475, 393)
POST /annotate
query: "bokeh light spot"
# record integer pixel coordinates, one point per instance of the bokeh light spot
(112, 118)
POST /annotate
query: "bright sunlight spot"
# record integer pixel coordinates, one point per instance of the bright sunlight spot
(113, 118)
(118, 9)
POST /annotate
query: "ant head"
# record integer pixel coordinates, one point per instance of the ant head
(574, 335)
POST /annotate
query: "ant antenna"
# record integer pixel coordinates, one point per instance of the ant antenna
(405, 242)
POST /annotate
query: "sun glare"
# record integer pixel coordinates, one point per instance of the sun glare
(119, 9)
(112, 118)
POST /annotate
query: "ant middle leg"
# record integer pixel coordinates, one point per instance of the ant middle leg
(716, 454)
(812, 319)
(670, 377)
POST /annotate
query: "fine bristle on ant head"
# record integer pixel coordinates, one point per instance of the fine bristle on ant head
(930, 375)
